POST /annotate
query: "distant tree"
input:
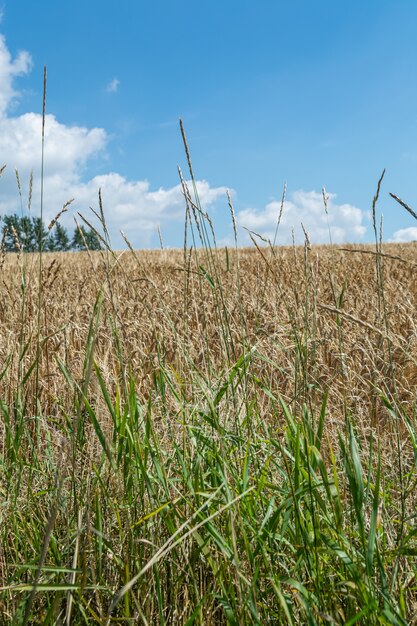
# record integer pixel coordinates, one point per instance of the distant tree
(11, 224)
(84, 239)
(93, 241)
(27, 235)
(78, 242)
(30, 233)
(41, 235)
(60, 241)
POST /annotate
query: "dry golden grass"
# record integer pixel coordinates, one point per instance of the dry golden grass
(320, 320)
(280, 305)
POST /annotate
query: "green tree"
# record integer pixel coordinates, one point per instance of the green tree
(41, 235)
(11, 224)
(27, 235)
(60, 241)
(93, 241)
(32, 236)
(78, 242)
(30, 232)
(84, 239)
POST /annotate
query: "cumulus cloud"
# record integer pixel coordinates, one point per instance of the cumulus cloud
(9, 69)
(306, 207)
(136, 209)
(130, 205)
(403, 235)
(67, 148)
(113, 86)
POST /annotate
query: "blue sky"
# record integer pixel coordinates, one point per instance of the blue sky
(311, 93)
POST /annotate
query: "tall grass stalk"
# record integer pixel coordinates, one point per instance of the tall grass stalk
(40, 274)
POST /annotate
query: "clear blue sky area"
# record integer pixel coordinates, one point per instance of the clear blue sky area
(309, 92)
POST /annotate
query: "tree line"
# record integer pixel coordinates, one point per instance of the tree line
(29, 234)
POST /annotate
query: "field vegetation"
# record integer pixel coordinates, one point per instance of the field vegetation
(209, 436)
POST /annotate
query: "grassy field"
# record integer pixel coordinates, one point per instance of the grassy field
(209, 437)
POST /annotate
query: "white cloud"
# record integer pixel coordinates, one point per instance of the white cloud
(66, 147)
(9, 69)
(113, 86)
(307, 208)
(404, 234)
(130, 205)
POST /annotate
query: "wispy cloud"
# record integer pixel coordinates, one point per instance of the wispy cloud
(113, 86)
